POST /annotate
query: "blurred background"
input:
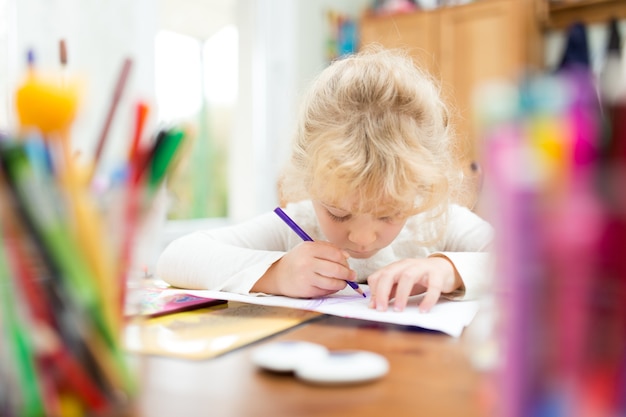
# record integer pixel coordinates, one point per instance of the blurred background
(537, 89)
(233, 71)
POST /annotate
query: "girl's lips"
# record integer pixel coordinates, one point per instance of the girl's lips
(360, 254)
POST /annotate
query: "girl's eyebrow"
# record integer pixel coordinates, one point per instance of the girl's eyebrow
(330, 206)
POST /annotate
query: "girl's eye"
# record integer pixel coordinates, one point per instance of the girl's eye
(338, 218)
(390, 219)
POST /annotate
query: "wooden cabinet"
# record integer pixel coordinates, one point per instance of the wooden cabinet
(467, 45)
(464, 46)
(416, 32)
(488, 41)
(559, 15)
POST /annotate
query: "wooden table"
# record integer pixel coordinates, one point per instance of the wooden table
(430, 375)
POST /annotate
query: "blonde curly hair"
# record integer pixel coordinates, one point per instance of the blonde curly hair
(373, 127)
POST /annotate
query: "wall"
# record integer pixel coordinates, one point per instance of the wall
(281, 50)
(313, 30)
(99, 35)
(7, 20)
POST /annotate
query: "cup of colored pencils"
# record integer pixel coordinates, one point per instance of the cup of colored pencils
(63, 269)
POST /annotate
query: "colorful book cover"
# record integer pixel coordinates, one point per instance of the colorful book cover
(157, 301)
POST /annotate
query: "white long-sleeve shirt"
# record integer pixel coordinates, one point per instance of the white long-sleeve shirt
(233, 258)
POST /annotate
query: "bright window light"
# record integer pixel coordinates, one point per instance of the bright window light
(221, 67)
(178, 76)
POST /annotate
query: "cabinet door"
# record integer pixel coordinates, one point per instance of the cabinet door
(416, 32)
(479, 42)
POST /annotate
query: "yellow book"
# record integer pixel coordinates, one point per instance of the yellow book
(209, 332)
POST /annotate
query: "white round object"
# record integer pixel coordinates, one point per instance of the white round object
(343, 367)
(284, 356)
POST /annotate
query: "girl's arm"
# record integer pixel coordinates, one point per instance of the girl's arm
(468, 246)
(458, 267)
(230, 259)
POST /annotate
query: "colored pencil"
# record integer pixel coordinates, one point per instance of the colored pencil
(304, 236)
(115, 99)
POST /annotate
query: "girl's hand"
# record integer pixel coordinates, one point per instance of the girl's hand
(311, 269)
(407, 277)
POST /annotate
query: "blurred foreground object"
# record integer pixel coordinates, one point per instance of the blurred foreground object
(555, 176)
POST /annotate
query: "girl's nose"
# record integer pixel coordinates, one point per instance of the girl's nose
(362, 236)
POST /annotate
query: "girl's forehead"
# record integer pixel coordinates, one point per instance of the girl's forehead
(349, 203)
(362, 199)
(354, 205)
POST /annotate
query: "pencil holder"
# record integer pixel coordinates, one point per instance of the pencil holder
(66, 253)
(61, 301)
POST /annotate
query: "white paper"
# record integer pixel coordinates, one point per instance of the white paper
(449, 317)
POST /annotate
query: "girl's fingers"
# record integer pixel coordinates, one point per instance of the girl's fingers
(431, 297)
(325, 250)
(331, 285)
(333, 270)
(403, 292)
(383, 289)
(320, 292)
(400, 280)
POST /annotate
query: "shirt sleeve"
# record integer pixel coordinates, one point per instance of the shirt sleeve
(227, 259)
(475, 269)
(468, 246)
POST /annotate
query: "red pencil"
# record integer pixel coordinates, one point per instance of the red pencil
(140, 121)
(117, 94)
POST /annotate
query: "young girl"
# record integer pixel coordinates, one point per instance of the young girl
(372, 179)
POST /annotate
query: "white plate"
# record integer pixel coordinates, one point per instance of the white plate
(343, 367)
(284, 356)
(316, 364)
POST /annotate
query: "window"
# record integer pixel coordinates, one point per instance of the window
(196, 87)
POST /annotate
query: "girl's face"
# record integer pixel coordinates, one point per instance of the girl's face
(360, 235)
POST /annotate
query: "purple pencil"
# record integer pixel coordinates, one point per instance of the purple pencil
(304, 236)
